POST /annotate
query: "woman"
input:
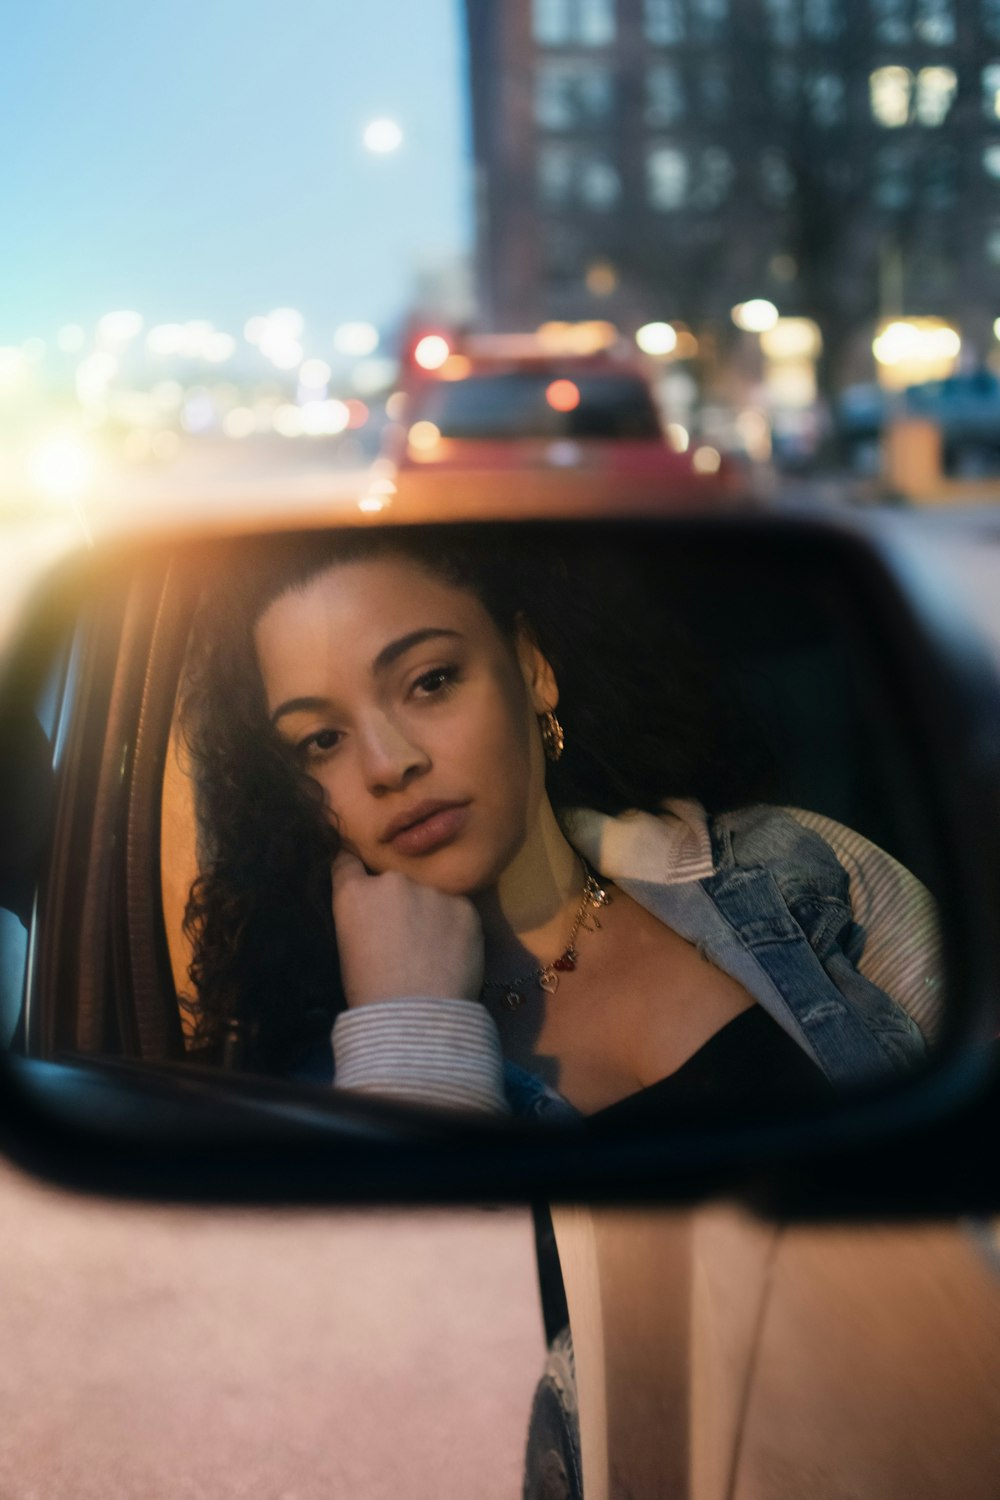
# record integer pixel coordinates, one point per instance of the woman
(454, 808)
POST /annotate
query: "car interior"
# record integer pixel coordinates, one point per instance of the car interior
(796, 687)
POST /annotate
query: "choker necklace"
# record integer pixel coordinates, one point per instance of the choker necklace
(546, 976)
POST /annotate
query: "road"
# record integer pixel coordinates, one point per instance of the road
(163, 1353)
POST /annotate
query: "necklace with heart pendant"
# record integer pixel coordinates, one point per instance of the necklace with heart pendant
(546, 976)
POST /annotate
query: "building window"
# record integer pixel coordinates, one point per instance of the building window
(891, 21)
(991, 18)
(935, 22)
(940, 185)
(825, 92)
(570, 175)
(783, 21)
(991, 160)
(892, 183)
(822, 19)
(992, 244)
(664, 22)
(599, 183)
(713, 179)
(708, 19)
(777, 181)
(785, 86)
(991, 91)
(664, 95)
(891, 89)
(935, 94)
(555, 174)
(715, 97)
(565, 23)
(666, 178)
(572, 95)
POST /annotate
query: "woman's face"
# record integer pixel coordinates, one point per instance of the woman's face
(417, 718)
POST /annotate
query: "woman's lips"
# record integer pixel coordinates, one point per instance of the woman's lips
(432, 832)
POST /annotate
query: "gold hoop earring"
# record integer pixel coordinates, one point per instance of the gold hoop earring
(553, 738)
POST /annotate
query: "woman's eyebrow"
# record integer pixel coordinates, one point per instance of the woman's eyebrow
(385, 659)
(299, 706)
(396, 649)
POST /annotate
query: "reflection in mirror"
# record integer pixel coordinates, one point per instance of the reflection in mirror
(618, 828)
(566, 822)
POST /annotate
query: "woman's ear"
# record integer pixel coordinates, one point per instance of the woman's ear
(539, 678)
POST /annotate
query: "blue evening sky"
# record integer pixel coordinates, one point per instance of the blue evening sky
(203, 159)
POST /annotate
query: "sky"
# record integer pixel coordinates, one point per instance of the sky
(204, 159)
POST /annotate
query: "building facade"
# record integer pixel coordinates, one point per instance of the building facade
(666, 159)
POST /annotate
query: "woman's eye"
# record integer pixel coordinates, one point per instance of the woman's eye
(320, 743)
(436, 681)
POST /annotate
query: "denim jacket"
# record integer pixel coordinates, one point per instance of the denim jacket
(774, 914)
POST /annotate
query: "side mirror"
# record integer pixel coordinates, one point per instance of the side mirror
(822, 667)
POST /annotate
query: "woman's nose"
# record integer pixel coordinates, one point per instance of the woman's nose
(390, 758)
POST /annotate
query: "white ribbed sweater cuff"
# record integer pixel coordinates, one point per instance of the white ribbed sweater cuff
(423, 1050)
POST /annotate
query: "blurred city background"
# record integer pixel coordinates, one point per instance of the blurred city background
(246, 249)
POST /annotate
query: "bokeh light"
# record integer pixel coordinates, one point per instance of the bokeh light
(315, 374)
(706, 460)
(119, 327)
(431, 351)
(657, 338)
(62, 466)
(383, 136)
(71, 338)
(423, 437)
(356, 339)
(755, 316)
(563, 395)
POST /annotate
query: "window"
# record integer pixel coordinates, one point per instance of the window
(893, 185)
(825, 92)
(991, 91)
(555, 174)
(664, 22)
(713, 178)
(785, 86)
(666, 178)
(783, 21)
(664, 95)
(992, 244)
(940, 184)
(891, 21)
(822, 19)
(991, 160)
(586, 23)
(935, 94)
(599, 183)
(572, 95)
(777, 182)
(935, 22)
(715, 97)
(991, 18)
(708, 19)
(34, 744)
(574, 175)
(891, 89)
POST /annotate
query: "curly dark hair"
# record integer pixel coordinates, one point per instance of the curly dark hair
(642, 712)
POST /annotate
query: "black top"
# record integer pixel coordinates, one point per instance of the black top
(750, 1062)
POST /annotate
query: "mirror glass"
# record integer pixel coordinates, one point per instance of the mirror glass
(609, 822)
(546, 257)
